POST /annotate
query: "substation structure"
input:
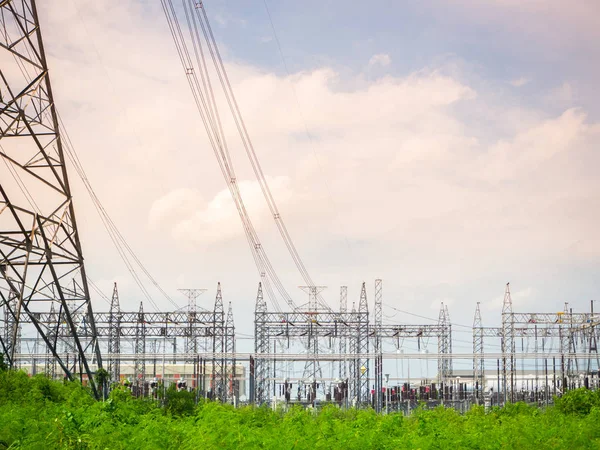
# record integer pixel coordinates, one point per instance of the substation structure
(194, 345)
(346, 340)
(541, 354)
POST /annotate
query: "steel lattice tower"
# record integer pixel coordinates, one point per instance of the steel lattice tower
(508, 345)
(261, 347)
(444, 345)
(41, 260)
(312, 367)
(11, 328)
(218, 362)
(191, 342)
(114, 336)
(343, 340)
(378, 348)
(140, 348)
(232, 390)
(362, 348)
(353, 368)
(592, 341)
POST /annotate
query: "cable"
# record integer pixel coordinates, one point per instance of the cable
(425, 317)
(202, 90)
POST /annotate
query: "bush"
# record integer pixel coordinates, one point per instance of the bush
(39, 413)
(579, 402)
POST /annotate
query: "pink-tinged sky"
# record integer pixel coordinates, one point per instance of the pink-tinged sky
(453, 147)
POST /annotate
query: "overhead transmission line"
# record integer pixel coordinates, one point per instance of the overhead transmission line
(201, 35)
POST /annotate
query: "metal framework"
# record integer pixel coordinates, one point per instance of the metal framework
(139, 372)
(346, 338)
(191, 342)
(41, 260)
(133, 339)
(478, 355)
(576, 358)
(218, 381)
(444, 345)
(114, 335)
(378, 347)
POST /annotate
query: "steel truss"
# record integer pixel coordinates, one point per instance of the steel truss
(344, 337)
(143, 332)
(575, 333)
(41, 261)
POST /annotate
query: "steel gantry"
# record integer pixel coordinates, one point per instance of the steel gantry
(133, 339)
(41, 259)
(346, 338)
(575, 335)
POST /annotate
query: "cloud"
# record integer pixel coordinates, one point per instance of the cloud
(520, 81)
(561, 96)
(190, 220)
(224, 19)
(558, 23)
(398, 178)
(381, 59)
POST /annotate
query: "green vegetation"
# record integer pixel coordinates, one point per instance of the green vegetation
(38, 413)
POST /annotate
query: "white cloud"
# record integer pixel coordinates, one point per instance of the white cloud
(411, 187)
(190, 220)
(381, 59)
(561, 96)
(518, 82)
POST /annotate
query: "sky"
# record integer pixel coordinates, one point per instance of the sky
(446, 147)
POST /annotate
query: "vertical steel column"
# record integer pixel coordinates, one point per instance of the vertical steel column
(363, 348)
(11, 330)
(508, 346)
(478, 357)
(232, 390)
(593, 341)
(261, 350)
(444, 346)
(139, 370)
(114, 337)
(449, 361)
(343, 372)
(218, 362)
(191, 340)
(353, 365)
(378, 346)
(312, 367)
(53, 326)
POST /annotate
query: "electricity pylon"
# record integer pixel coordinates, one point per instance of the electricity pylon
(41, 261)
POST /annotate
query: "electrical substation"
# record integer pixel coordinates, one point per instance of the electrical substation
(306, 354)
